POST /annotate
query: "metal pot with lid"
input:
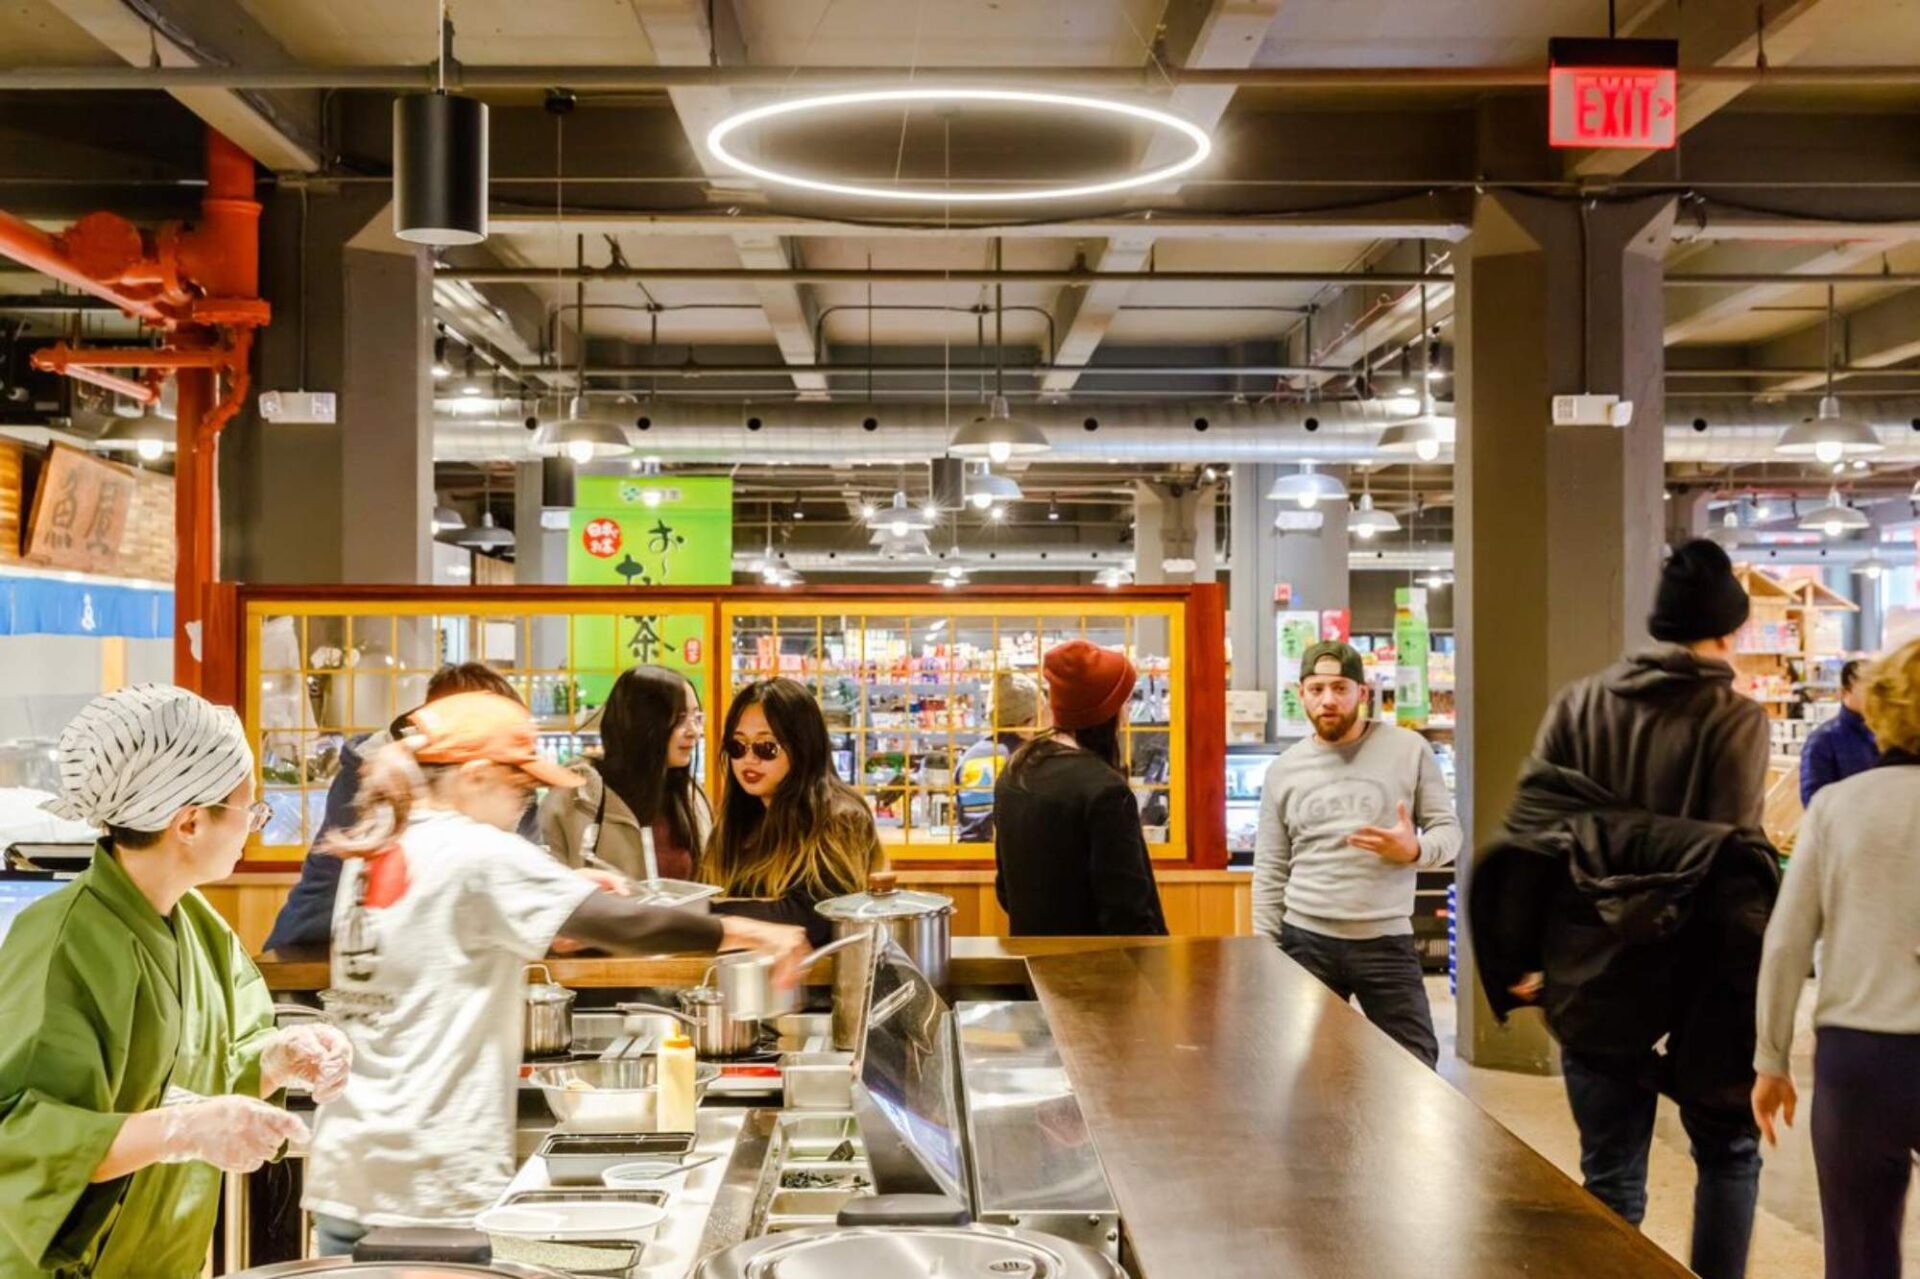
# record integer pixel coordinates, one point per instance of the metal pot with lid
(921, 924)
(907, 1252)
(547, 1023)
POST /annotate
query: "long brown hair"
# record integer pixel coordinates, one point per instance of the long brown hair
(644, 708)
(1102, 741)
(814, 834)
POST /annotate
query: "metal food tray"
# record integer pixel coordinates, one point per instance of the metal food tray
(622, 1256)
(588, 1194)
(579, 1159)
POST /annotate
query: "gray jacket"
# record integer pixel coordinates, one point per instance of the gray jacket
(1315, 796)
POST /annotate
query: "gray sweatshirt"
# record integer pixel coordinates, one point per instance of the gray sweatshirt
(1314, 796)
(1853, 882)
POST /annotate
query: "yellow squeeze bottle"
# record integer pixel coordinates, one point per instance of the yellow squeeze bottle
(674, 1074)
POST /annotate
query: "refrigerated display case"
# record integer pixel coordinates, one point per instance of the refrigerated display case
(904, 678)
(1246, 771)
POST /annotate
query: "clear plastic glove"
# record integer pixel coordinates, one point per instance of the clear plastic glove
(787, 945)
(234, 1134)
(312, 1054)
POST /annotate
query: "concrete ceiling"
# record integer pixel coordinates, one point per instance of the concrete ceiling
(1305, 150)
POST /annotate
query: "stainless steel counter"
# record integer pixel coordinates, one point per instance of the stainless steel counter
(1031, 1161)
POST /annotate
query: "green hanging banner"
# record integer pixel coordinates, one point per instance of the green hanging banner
(1411, 639)
(642, 531)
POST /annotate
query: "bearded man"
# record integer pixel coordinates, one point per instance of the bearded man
(1348, 819)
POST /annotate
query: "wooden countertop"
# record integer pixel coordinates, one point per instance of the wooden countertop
(977, 961)
(1252, 1124)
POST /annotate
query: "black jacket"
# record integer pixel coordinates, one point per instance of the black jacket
(1664, 730)
(1645, 926)
(1070, 857)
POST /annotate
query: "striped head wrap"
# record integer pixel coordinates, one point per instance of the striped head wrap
(135, 757)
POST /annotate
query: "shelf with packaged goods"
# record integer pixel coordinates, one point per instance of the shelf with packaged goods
(1793, 625)
(310, 668)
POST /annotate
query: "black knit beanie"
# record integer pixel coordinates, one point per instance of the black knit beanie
(1699, 597)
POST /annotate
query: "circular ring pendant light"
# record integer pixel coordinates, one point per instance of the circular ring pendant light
(1199, 145)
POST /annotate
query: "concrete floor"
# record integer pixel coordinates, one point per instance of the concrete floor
(1786, 1243)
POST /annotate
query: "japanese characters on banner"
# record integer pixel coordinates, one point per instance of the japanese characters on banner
(641, 531)
(95, 516)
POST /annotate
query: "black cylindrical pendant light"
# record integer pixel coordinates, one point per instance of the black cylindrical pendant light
(440, 169)
(556, 482)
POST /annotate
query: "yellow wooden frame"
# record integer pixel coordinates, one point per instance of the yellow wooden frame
(393, 610)
(721, 617)
(1037, 610)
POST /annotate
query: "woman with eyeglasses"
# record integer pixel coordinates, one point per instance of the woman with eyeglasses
(640, 786)
(790, 834)
(137, 1039)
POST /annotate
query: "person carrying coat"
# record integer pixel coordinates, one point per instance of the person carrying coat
(1628, 894)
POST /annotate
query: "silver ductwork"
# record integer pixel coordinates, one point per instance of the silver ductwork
(1047, 559)
(836, 433)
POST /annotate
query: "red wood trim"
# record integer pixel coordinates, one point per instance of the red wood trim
(1206, 713)
(222, 647)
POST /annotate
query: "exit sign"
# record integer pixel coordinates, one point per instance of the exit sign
(1612, 93)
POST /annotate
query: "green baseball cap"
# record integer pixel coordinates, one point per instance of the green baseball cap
(1333, 650)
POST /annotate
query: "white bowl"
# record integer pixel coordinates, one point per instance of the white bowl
(638, 1223)
(642, 1174)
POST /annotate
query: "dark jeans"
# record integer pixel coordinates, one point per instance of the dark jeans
(1866, 1131)
(1383, 971)
(1614, 1112)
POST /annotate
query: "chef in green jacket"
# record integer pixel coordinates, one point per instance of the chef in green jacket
(138, 1037)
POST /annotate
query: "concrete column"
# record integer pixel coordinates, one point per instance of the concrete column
(1871, 595)
(1688, 515)
(1559, 530)
(1313, 564)
(386, 417)
(539, 558)
(348, 501)
(1170, 523)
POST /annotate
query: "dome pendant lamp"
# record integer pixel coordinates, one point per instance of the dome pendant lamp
(440, 163)
(1830, 435)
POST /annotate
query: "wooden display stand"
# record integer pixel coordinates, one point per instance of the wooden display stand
(1790, 631)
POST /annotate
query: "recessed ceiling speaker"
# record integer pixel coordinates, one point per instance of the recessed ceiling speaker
(439, 169)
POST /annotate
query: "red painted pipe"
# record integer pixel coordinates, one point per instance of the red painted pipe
(137, 391)
(61, 358)
(31, 247)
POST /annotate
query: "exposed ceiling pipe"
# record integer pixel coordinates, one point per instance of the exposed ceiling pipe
(920, 275)
(1146, 432)
(464, 77)
(1050, 559)
(698, 370)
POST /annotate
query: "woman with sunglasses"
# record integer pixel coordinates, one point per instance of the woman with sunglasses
(137, 1039)
(790, 834)
(640, 786)
(440, 906)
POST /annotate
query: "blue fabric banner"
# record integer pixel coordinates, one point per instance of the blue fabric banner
(45, 606)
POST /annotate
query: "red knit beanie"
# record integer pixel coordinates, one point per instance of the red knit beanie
(1086, 684)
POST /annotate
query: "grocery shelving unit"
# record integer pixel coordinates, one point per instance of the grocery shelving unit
(904, 678)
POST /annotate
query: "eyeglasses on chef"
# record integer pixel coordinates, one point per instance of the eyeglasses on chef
(764, 751)
(258, 814)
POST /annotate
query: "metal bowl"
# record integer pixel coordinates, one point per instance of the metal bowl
(610, 1096)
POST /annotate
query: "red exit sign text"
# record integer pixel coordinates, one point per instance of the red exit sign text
(1612, 107)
